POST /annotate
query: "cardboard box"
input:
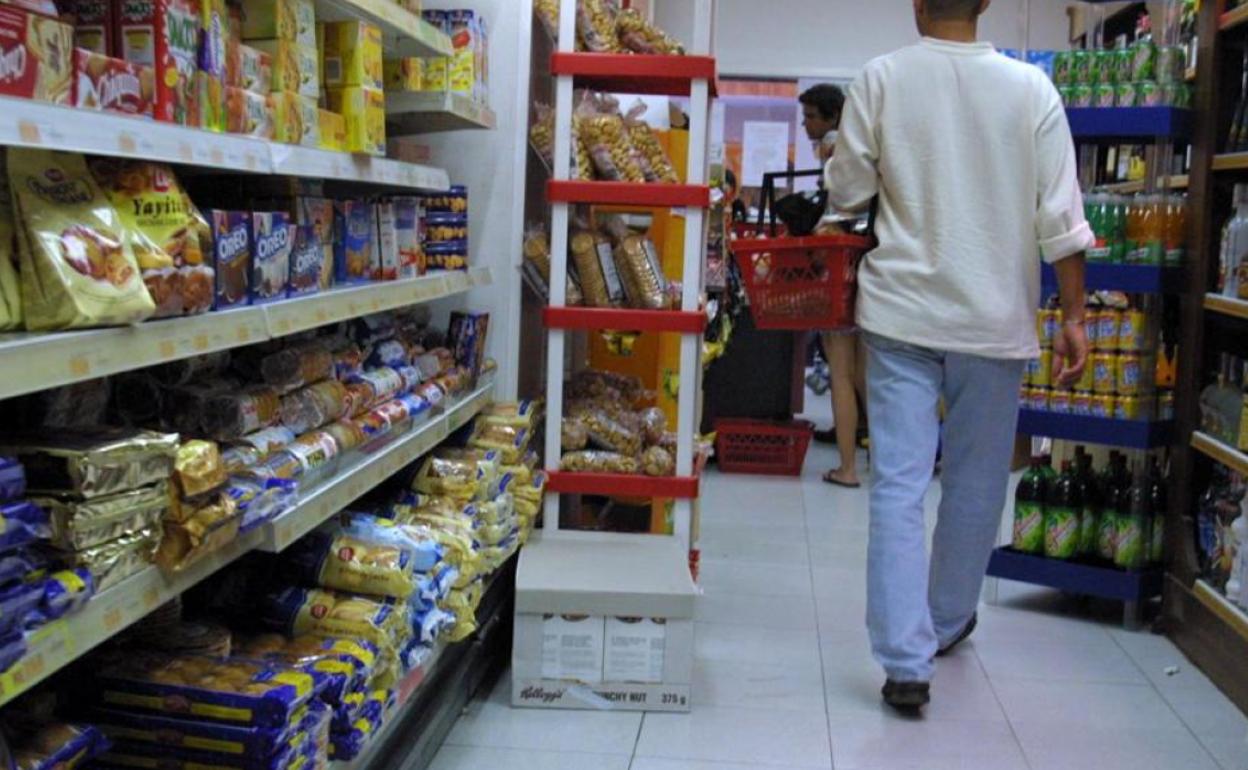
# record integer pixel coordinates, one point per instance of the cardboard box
(333, 131)
(355, 247)
(464, 70)
(409, 234)
(272, 240)
(364, 110)
(407, 74)
(231, 254)
(318, 213)
(294, 66)
(164, 34)
(249, 68)
(213, 64)
(93, 24)
(296, 119)
(292, 20)
(307, 263)
(112, 85)
(386, 264)
(352, 55)
(634, 650)
(249, 114)
(572, 648)
(466, 336)
(36, 56)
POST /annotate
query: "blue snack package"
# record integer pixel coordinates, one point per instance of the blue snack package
(22, 565)
(65, 592)
(342, 663)
(231, 255)
(228, 691)
(130, 727)
(345, 745)
(12, 649)
(56, 745)
(21, 523)
(18, 607)
(130, 754)
(417, 408)
(425, 554)
(12, 479)
(307, 262)
(296, 611)
(431, 624)
(272, 239)
(355, 241)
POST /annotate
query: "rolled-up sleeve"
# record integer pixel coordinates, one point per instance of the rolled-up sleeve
(1061, 226)
(852, 176)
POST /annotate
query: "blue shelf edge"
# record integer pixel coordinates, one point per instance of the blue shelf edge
(1134, 122)
(1129, 434)
(1075, 577)
(1133, 279)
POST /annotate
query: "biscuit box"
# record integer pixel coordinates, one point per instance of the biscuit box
(293, 20)
(364, 110)
(295, 68)
(307, 262)
(352, 55)
(248, 113)
(272, 239)
(356, 241)
(36, 56)
(93, 24)
(249, 68)
(112, 85)
(333, 131)
(164, 34)
(213, 64)
(318, 213)
(296, 119)
(407, 74)
(231, 254)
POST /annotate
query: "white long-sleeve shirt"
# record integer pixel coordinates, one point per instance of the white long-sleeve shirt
(971, 156)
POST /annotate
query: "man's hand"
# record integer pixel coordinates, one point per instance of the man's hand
(1070, 354)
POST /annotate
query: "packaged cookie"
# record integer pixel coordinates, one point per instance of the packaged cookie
(315, 611)
(594, 260)
(307, 263)
(90, 463)
(595, 26)
(112, 85)
(38, 54)
(249, 69)
(77, 265)
(286, 19)
(352, 564)
(163, 34)
(314, 450)
(638, 34)
(354, 249)
(231, 254)
(249, 113)
(599, 462)
(81, 524)
(272, 239)
(121, 725)
(318, 213)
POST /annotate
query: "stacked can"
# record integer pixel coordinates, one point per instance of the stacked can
(1117, 382)
(1140, 75)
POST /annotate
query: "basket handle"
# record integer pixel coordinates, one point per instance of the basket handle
(769, 195)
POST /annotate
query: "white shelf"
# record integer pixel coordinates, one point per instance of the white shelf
(292, 160)
(60, 643)
(403, 33)
(33, 361)
(416, 113)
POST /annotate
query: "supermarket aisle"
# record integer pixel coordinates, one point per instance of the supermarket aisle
(785, 677)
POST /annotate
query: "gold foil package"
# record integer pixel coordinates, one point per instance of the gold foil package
(93, 463)
(82, 524)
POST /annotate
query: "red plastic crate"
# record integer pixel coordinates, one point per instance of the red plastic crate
(762, 447)
(799, 284)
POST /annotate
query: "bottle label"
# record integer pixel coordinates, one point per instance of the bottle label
(1130, 546)
(1061, 532)
(1089, 524)
(1029, 527)
(1107, 535)
(1157, 553)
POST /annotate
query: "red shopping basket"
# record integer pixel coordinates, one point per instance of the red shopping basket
(762, 447)
(801, 283)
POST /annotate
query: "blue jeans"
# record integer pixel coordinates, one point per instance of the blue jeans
(913, 610)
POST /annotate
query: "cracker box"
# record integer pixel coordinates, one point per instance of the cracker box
(318, 213)
(249, 68)
(293, 20)
(333, 131)
(352, 55)
(112, 85)
(355, 244)
(36, 56)
(249, 114)
(466, 337)
(307, 263)
(364, 110)
(408, 216)
(295, 67)
(296, 119)
(213, 64)
(231, 252)
(464, 68)
(405, 74)
(164, 34)
(272, 240)
(93, 24)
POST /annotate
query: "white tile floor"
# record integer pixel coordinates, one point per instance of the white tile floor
(784, 676)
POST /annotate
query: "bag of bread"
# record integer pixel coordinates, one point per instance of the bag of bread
(78, 268)
(171, 239)
(352, 563)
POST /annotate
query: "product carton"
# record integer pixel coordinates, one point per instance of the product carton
(386, 263)
(93, 24)
(293, 20)
(352, 55)
(296, 119)
(356, 231)
(272, 240)
(213, 64)
(318, 213)
(294, 66)
(36, 56)
(307, 263)
(112, 85)
(364, 110)
(409, 233)
(407, 74)
(249, 114)
(333, 131)
(466, 337)
(249, 68)
(231, 252)
(437, 68)
(164, 34)
(464, 71)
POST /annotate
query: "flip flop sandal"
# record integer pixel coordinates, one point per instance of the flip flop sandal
(829, 479)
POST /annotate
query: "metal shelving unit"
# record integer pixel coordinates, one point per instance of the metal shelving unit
(419, 113)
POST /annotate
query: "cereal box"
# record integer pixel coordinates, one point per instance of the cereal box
(36, 56)
(364, 110)
(307, 263)
(212, 64)
(248, 113)
(404, 74)
(93, 24)
(112, 85)
(333, 131)
(231, 252)
(355, 245)
(318, 213)
(293, 20)
(164, 34)
(272, 239)
(464, 68)
(294, 67)
(250, 69)
(297, 119)
(353, 55)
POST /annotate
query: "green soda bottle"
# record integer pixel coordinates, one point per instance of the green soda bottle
(1107, 519)
(1029, 509)
(1089, 518)
(1135, 524)
(1116, 216)
(1062, 509)
(1157, 498)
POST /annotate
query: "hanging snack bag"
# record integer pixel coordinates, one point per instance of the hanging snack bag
(655, 163)
(77, 265)
(165, 34)
(639, 35)
(272, 239)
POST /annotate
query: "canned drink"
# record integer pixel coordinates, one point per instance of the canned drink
(1131, 324)
(1104, 95)
(1087, 382)
(1122, 65)
(1129, 374)
(1081, 96)
(1104, 374)
(1129, 408)
(1043, 375)
(1062, 68)
(1040, 399)
(1144, 60)
(1050, 322)
(1081, 68)
(1059, 401)
(1171, 63)
(1081, 403)
(1148, 94)
(1096, 63)
(1107, 329)
(1165, 405)
(1124, 94)
(1093, 329)
(1104, 406)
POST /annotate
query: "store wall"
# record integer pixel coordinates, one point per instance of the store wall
(834, 38)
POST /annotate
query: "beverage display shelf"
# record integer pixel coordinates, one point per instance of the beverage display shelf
(1129, 434)
(403, 33)
(657, 75)
(1075, 577)
(629, 194)
(1176, 182)
(1220, 452)
(419, 113)
(1227, 306)
(624, 485)
(54, 127)
(61, 642)
(593, 319)
(1130, 122)
(368, 470)
(1233, 616)
(1133, 279)
(1233, 18)
(34, 361)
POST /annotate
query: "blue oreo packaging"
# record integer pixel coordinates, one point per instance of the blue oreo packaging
(307, 263)
(272, 240)
(12, 479)
(231, 254)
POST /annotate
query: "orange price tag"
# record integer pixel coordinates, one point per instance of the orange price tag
(29, 132)
(126, 144)
(243, 334)
(112, 620)
(79, 366)
(167, 349)
(200, 342)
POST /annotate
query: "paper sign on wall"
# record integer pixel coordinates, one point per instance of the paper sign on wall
(764, 148)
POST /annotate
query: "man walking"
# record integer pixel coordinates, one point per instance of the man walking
(971, 157)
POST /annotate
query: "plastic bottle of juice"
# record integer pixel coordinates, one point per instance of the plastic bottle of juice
(1133, 242)
(1157, 498)
(1089, 519)
(1152, 231)
(1135, 525)
(1029, 509)
(1119, 205)
(1096, 209)
(1176, 229)
(1107, 519)
(1232, 244)
(1062, 508)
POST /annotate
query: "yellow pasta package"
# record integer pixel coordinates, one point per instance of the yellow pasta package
(352, 564)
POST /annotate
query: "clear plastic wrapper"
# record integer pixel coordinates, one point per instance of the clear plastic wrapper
(385, 383)
(510, 442)
(268, 440)
(655, 163)
(278, 465)
(595, 26)
(320, 612)
(197, 468)
(657, 461)
(359, 398)
(605, 432)
(637, 34)
(346, 433)
(455, 478)
(345, 664)
(23, 522)
(599, 462)
(606, 138)
(315, 405)
(520, 414)
(90, 463)
(654, 425)
(639, 267)
(260, 500)
(575, 434)
(12, 479)
(17, 605)
(114, 561)
(230, 416)
(78, 525)
(54, 745)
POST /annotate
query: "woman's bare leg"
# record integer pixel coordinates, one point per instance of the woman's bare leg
(845, 373)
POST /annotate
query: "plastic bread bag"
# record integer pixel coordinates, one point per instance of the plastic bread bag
(346, 433)
(297, 611)
(637, 34)
(268, 440)
(230, 416)
(197, 468)
(654, 425)
(55, 745)
(92, 462)
(208, 528)
(425, 552)
(112, 562)
(77, 265)
(124, 725)
(24, 522)
(599, 462)
(606, 138)
(352, 563)
(391, 353)
(450, 477)
(606, 432)
(520, 414)
(77, 525)
(315, 405)
(595, 26)
(385, 382)
(260, 500)
(489, 463)
(511, 443)
(408, 504)
(639, 267)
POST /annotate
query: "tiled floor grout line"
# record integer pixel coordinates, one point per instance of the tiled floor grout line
(1022, 750)
(814, 598)
(641, 724)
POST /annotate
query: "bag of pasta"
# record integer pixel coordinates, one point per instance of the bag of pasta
(637, 34)
(595, 26)
(298, 611)
(459, 479)
(352, 563)
(489, 464)
(78, 267)
(606, 138)
(457, 539)
(655, 163)
(509, 441)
